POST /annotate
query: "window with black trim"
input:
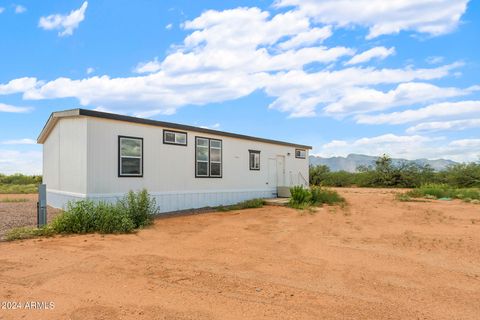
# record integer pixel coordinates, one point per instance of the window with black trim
(130, 157)
(208, 158)
(300, 153)
(254, 156)
(175, 137)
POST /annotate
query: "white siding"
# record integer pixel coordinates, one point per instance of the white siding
(170, 168)
(81, 161)
(65, 158)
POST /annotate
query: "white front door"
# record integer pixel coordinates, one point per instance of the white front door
(281, 171)
(272, 172)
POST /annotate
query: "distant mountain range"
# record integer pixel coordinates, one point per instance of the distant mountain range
(352, 161)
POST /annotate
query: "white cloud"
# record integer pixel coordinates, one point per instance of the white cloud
(362, 100)
(90, 70)
(169, 26)
(19, 141)
(27, 162)
(20, 9)
(148, 67)
(385, 17)
(307, 38)
(454, 125)
(2, 9)
(434, 111)
(407, 147)
(65, 23)
(377, 52)
(230, 54)
(13, 109)
(18, 85)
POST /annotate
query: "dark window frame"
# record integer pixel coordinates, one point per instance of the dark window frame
(209, 158)
(174, 143)
(250, 160)
(120, 174)
(299, 157)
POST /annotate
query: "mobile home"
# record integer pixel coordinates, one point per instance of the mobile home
(101, 156)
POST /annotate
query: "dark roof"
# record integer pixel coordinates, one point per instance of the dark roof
(112, 116)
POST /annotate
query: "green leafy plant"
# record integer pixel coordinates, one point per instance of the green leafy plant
(140, 207)
(248, 204)
(302, 198)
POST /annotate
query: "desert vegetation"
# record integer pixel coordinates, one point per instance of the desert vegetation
(406, 175)
(303, 198)
(135, 210)
(19, 183)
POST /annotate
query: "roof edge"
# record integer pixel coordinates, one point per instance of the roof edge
(118, 117)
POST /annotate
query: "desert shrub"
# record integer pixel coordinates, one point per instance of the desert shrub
(112, 219)
(299, 195)
(321, 195)
(135, 210)
(302, 198)
(20, 179)
(18, 188)
(80, 217)
(436, 191)
(140, 207)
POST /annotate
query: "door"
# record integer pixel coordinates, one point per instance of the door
(281, 171)
(272, 173)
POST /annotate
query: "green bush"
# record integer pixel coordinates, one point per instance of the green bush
(437, 191)
(322, 195)
(299, 195)
(302, 198)
(18, 188)
(140, 207)
(20, 179)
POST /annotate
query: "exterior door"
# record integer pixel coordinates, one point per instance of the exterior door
(281, 171)
(272, 173)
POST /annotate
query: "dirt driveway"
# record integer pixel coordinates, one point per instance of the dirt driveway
(375, 259)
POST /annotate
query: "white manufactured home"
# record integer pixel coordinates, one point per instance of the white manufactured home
(101, 156)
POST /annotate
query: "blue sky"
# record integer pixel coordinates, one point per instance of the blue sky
(345, 76)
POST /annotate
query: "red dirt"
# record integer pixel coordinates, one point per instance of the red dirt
(377, 258)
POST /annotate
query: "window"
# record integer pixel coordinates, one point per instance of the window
(130, 154)
(208, 158)
(300, 153)
(254, 159)
(175, 137)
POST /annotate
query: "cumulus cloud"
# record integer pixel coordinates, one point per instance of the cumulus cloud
(361, 100)
(229, 54)
(377, 52)
(435, 126)
(434, 111)
(65, 23)
(385, 17)
(18, 85)
(26, 162)
(148, 67)
(13, 109)
(405, 146)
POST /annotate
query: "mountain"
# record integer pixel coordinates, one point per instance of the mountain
(352, 161)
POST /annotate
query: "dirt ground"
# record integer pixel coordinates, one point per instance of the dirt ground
(377, 258)
(20, 214)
